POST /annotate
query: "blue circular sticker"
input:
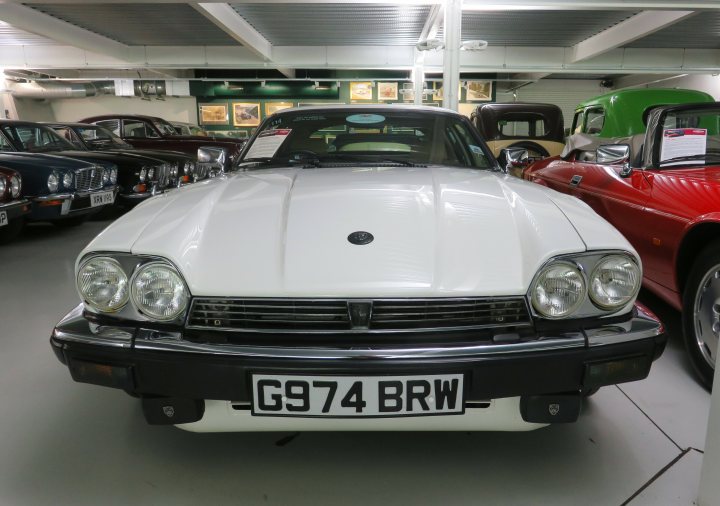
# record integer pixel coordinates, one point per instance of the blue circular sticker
(365, 119)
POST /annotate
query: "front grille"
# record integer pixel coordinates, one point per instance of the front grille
(88, 179)
(161, 176)
(349, 315)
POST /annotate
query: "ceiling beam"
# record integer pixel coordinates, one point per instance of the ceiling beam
(636, 27)
(229, 21)
(34, 21)
(432, 23)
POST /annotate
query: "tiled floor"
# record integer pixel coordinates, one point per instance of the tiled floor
(64, 443)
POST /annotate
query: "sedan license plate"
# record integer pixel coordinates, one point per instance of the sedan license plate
(102, 198)
(3, 218)
(357, 396)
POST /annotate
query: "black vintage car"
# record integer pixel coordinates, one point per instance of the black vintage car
(62, 190)
(13, 207)
(138, 177)
(88, 137)
(537, 128)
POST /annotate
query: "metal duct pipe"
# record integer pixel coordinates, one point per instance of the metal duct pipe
(58, 90)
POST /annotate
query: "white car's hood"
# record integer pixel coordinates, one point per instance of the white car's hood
(284, 233)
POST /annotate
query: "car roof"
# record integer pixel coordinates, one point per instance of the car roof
(68, 124)
(369, 107)
(124, 116)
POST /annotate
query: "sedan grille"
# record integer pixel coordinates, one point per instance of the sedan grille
(354, 315)
(89, 179)
(161, 176)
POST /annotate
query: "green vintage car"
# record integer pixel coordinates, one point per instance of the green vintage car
(623, 113)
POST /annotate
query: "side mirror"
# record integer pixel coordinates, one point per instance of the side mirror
(516, 159)
(610, 154)
(211, 161)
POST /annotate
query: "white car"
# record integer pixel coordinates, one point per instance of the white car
(366, 268)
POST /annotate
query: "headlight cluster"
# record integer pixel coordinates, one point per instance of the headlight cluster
(53, 182)
(561, 288)
(188, 168)
(15, 186)
(59, 179)
(113, 176)
(3, 187)
(155, 288)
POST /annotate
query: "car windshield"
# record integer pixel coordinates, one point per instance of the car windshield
(98, 138)
(165, 127)
(35, 138)
(690, 137)
(347, 137)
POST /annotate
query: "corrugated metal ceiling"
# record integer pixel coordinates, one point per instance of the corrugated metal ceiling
(537, 28)
(11, 36)
(698, 32)
(142, 24)
(303, 24)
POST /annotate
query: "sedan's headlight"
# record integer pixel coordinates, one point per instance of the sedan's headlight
(188, 168)
(614, 282)
(103, 284)
(53, 182)
(558, 290)
(159, 292)
(106, 176)
(151, 173)
(67, 180)
(15, 186)
(174, 170)
(3, 187)
(143, 175)
(113, 176)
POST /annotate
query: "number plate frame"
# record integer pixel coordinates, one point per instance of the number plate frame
(318, 396)
(4, 219)
(104, 198)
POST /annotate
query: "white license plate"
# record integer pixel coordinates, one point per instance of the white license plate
(357, 396)
(3, 218)
(101, 198)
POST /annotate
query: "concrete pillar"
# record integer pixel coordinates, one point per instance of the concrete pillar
(451, 53)
(418, 81)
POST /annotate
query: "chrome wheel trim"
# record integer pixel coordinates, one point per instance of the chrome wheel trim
(706, 315)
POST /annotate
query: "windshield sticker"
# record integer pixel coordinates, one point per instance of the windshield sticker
(476, 149)
(365, 119)
(267, 143)
(678, 143)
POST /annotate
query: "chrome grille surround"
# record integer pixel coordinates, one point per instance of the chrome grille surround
(341, 315)
(90, 178)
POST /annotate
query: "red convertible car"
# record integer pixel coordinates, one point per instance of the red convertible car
(662, 191)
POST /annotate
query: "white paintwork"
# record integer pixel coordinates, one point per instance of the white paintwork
(438, 231)
(502, 415)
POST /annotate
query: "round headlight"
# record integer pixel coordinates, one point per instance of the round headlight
(103, 284)
(151, 172)
(143, 175)
(15, 186)
(106, 176)
(558, 290)
(52, 182)
(67, 180)
(614, 282)
(113, 176)
(3, 187)
(188, 168)
(174, 170)
(159, 292)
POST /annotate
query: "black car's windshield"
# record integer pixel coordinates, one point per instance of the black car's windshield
(690, 138)
(347, 137)
(98, 138)
(35, 138)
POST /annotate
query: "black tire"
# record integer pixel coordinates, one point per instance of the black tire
(11, 230)
(75, 221)
(698, 331)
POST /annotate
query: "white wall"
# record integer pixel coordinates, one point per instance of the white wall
(172, 108)
(31, 110)
(701, 82)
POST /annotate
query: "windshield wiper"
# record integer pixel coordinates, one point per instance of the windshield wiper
(690, 158)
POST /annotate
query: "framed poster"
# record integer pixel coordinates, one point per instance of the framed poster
(479, 91)
(213, 114)
(361, 90)
(438, 91)
(273, 107)
(387, 91)
(246, 114)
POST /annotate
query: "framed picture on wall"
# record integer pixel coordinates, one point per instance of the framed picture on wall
(387, 91)
(479, 91)
(438, 91)
(361, 90)
(213, 114)
(246, 114)
(273, 107)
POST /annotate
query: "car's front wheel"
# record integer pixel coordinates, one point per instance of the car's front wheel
(701, 312)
